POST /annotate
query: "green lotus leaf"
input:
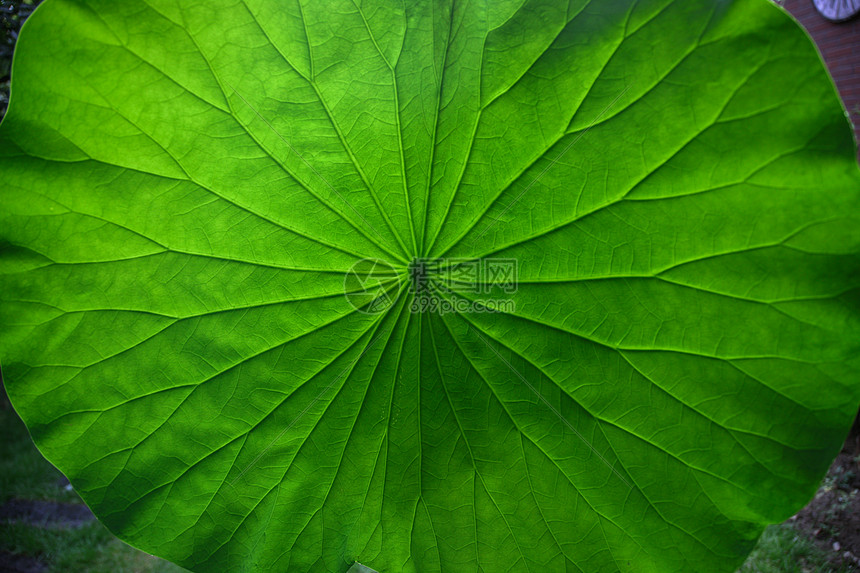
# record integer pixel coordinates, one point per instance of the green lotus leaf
(430, 286)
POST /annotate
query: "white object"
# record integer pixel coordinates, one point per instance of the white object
(837, 10)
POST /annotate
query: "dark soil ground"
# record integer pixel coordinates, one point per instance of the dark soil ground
(832, 519)
(45, 513)
(14, 563)
(12, 15)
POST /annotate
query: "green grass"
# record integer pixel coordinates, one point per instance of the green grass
(87, 549)
(24, 473)
(90, 548)
(782, 549)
